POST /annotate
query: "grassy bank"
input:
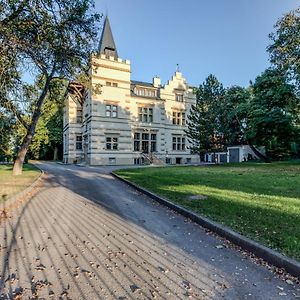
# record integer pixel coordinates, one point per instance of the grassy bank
(261, 201)
(11, 185)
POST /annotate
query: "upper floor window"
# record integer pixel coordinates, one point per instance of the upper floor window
(79, 115)
(179, 97)
(109, 83)
(146, 114)
(111, 143)
(179, 118)
(111, 111)
(78, 142)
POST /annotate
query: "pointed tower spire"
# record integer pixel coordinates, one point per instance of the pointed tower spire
(107, 45)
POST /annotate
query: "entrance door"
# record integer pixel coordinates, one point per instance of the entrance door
(145, 142)
(234, 155)
(145, 146)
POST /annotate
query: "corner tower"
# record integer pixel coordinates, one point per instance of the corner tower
(107, 44)
(109, 131)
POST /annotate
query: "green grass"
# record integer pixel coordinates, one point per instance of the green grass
(261, 201)
(11, 185)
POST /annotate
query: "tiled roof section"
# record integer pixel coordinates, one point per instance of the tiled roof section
(107, 44)
(142, 83)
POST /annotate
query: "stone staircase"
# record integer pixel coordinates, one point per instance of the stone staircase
(152, 159)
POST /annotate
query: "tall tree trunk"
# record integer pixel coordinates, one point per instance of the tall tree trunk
(55, 153)
(18, 164)
(258, 153)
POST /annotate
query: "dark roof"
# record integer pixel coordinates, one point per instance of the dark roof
(107, 44)
(148, 84)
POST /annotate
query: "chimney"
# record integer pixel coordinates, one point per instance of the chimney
(156, 81)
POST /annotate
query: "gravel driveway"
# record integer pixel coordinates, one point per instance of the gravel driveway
(85, 235)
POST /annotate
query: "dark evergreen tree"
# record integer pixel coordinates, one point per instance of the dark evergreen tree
(205, 120)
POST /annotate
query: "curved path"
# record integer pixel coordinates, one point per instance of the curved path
(85, 235)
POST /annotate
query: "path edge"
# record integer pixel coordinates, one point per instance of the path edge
(4, 206)
(267, 254)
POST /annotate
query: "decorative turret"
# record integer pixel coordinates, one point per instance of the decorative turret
(107, 45)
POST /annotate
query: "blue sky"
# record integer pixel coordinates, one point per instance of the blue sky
(227, 38)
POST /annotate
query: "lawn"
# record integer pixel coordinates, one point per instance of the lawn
(261, 201)
(11, 185)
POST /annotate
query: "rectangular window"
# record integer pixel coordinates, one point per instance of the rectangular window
(112, 160)
(178, 118)
(145, 142)
(115, 84)
(145, 114)
(65, 143)
(78, 142)
(145, 136)
(179, 97)
(111, 111)
(178, 143)
(111, 143)
(79, 115)
(137, 143)
(145, 92)
(108, 83)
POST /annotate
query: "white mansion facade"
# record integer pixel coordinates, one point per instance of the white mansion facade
(121, 121)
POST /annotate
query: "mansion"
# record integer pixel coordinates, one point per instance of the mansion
(119, 121)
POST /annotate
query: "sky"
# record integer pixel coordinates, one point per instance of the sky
(227, 38)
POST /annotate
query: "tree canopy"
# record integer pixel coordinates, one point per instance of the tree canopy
(48, 40)
(284, 49)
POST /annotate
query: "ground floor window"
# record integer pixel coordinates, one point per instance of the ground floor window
(137, 161)
(144, 142)
(168, 160)
(178, 143)
(178, 160)
(78, 142)
(111, 143)
(65, 143)
(112, 160)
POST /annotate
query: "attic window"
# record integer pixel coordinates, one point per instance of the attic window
(145, 92)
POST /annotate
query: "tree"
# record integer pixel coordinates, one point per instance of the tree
(273, 114)
(49, 130)
(235, 114)
(51, 40)
(284, 51)
(204, 121)
(6, 134)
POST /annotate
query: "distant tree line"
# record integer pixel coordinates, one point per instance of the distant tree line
(267, 113)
